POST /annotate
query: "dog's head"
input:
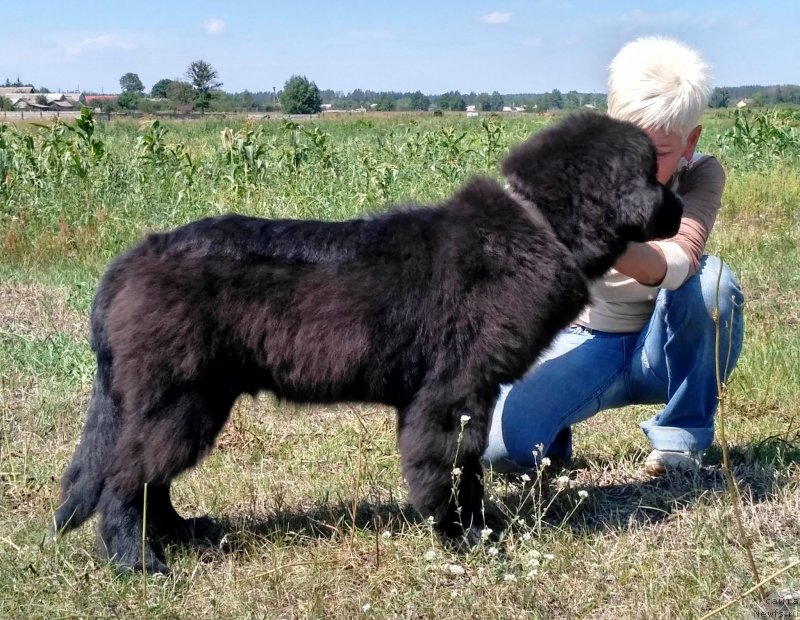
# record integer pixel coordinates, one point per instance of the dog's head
(594, 179)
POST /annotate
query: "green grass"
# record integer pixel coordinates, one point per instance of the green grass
(312, 506)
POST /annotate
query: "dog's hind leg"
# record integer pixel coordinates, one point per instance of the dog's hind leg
(153, 448)
(441, 441)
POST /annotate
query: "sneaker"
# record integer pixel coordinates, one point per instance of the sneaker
(659, 462)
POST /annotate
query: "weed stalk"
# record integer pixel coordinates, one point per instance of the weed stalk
(722, 392)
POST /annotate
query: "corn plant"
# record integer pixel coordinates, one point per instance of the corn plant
(87, 150)
(494, 141)
(151, 146)
(320, 147)
(757, 140)
(449, 152)
(244, 157)
(293, 155)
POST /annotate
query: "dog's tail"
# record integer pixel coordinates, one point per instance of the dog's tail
(84, 479)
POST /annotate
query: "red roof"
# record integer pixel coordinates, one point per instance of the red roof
(92, 98)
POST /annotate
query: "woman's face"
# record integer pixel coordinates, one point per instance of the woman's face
(670, 148)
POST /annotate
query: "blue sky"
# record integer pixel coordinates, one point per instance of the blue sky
(508, 46)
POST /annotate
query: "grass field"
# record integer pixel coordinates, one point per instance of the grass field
(311, 506)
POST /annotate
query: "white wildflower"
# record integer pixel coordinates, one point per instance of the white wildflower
(430, 555)
(526, 536)
(486, 532)
(492, 551)
(533, 562)
(532, 574)
(525, 478)
(456, 471)
(386, 535)
(563, 480)
(455, 569)
(546, 462)
(548, 556)
(583, 494)
(509, 577)
(465, 419)
(366, 608)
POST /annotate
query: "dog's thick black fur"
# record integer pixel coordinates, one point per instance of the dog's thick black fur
(426, 309)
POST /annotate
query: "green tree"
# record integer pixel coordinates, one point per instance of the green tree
(483, 102)
(759, 99)
(385, 103)
(160, 89)
(452, 101)
(497, 101)
(572, 100)
(300, 96)
(180, 92)
(41, 99)
(129, 100)
(419, 101)
(720, 98)
(5, 103)
(203, 78)
(130, 83)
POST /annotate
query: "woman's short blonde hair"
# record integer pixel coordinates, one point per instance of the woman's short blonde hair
(658, 83)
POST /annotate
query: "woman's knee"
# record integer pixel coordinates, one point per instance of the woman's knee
(714, 289)
(722, 292)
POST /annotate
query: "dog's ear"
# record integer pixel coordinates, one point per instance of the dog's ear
(560, 159)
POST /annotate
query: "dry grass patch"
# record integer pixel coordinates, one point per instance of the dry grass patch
(29, 309)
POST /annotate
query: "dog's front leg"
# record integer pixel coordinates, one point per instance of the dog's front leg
(440, 444)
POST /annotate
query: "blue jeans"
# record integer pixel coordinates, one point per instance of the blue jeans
(672, 361)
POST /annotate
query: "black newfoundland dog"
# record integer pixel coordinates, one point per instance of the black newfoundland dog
(426, 309)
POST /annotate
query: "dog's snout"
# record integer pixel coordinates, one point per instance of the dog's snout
(666, 218)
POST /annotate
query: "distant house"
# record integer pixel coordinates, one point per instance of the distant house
(743, 103)
(6, 91)
(471, 108)
(23, 98)
(471, 113)
(326, 106)
(97, 101)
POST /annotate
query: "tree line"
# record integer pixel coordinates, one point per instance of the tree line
(200, 89)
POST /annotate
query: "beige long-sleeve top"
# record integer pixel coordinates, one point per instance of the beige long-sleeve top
(621, 304)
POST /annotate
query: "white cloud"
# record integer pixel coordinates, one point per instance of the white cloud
(214, 26)
(496, 18)
(100, 43)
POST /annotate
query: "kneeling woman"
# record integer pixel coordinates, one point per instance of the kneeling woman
(649, 335)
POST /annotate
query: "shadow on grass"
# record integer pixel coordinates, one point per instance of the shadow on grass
(616, 501)
(323, 522)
